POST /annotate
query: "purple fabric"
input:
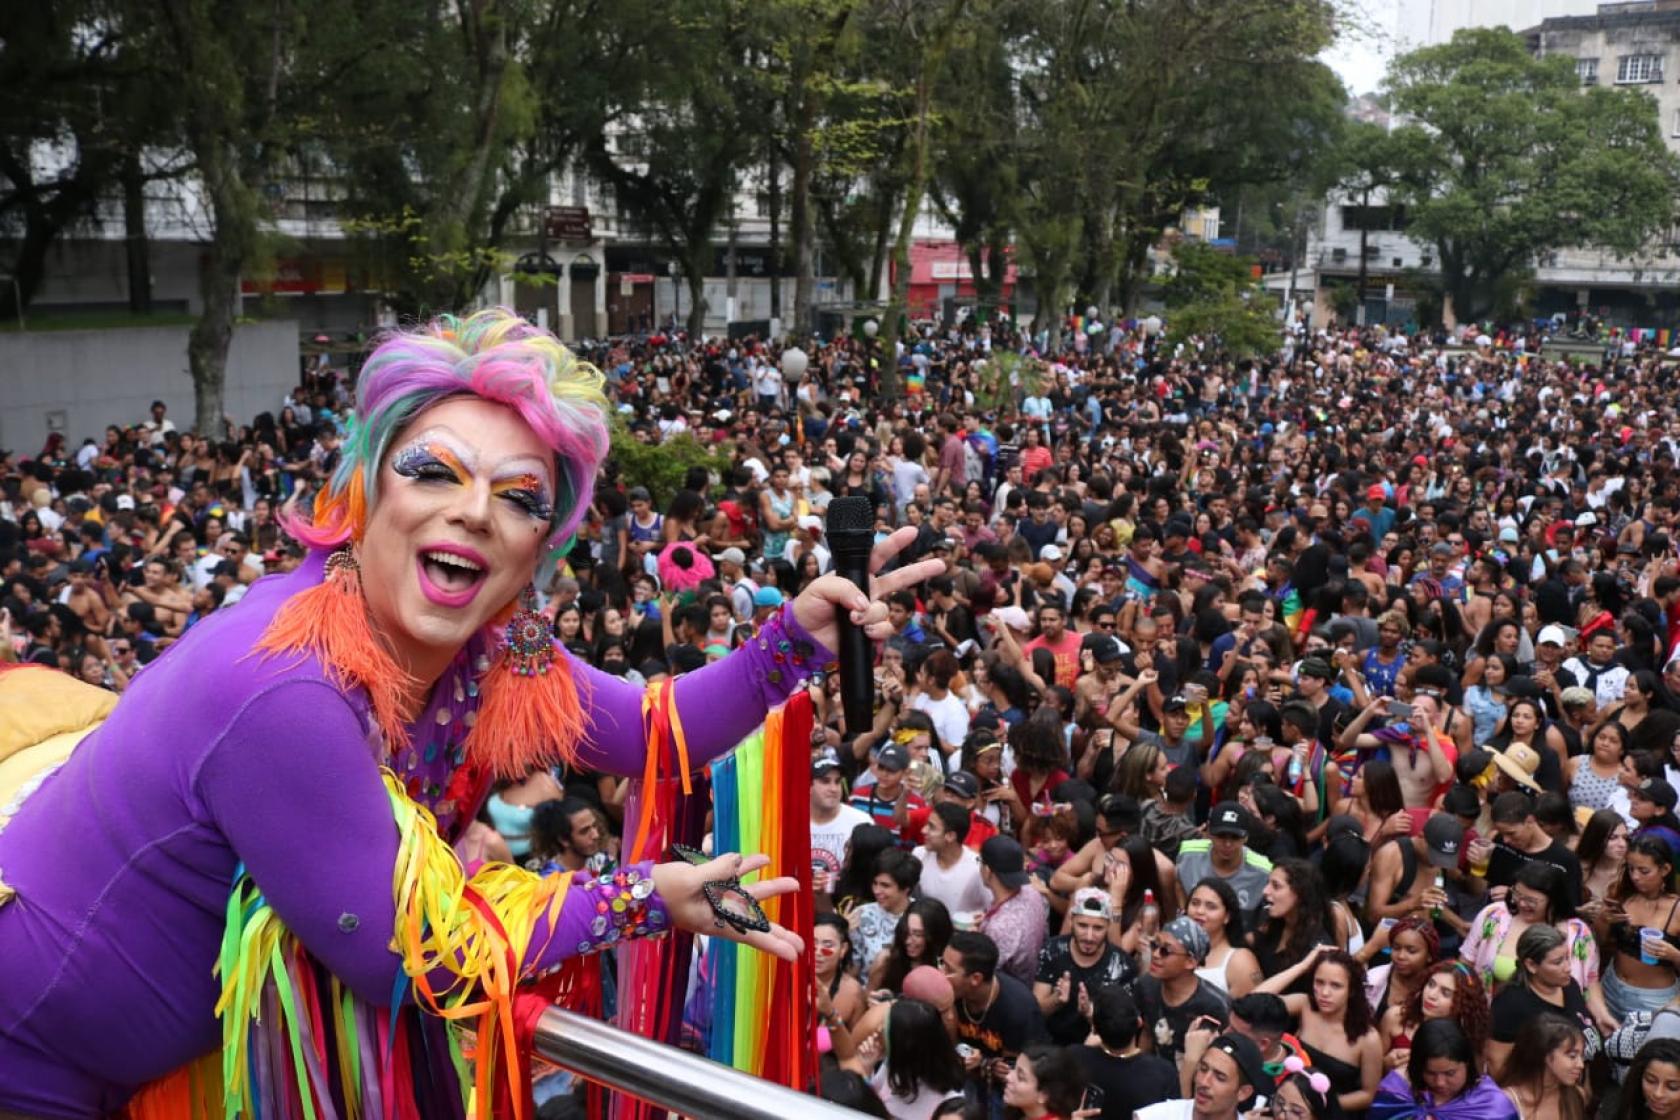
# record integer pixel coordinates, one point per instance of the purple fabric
(123, 860)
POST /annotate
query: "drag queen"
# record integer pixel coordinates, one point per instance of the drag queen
(239, 888)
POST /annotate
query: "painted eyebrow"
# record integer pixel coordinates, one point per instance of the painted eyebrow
(451, 441)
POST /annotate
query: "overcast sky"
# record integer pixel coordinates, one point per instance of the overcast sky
(1361, 57)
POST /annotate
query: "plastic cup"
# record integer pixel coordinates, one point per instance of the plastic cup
(1648, 936)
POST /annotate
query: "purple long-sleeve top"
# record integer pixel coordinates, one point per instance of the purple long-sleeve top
(123, 859)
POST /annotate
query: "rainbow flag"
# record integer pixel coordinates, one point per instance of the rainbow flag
(763, 1008)
(1290, 608)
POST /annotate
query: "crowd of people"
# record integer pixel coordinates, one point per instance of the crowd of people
(1296, 737)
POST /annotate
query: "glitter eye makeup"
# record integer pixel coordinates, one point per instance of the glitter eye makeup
(528, 492)
(423, 459)
(430, 458)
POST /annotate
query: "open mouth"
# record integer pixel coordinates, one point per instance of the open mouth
(449, 577)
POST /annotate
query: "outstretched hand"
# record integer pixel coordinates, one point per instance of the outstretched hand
(682, 886)
(818, 607)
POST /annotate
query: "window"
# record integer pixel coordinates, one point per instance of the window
(1633, 68)
(1674, 129)
(1586, 69)
(1373, 218)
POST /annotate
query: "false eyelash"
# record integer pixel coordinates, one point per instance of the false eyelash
(417, 462)
(531, 503)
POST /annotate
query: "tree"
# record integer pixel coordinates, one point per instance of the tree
(693, 104)
(1213, 299)
(932, 28)
(1362, 164)
(85, 115)
(1503, 158)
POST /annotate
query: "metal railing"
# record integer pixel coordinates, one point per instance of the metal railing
(669, 1078)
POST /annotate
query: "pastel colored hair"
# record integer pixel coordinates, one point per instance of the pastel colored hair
(493, 354)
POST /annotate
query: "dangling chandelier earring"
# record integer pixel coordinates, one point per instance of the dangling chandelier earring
(530, 638)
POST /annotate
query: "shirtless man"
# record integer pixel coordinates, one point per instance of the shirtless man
(92, 599)
(1423, 756)
(168, 601)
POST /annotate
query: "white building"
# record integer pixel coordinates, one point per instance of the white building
(1631, 43)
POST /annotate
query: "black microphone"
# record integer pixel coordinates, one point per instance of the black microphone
(851, 538)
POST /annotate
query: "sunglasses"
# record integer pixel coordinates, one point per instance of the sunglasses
(1164, 949)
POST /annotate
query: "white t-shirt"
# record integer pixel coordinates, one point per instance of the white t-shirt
(828, 842)
(1167, 1110)
(949, 716)
(958, 888)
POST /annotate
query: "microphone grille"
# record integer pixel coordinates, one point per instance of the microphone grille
(850, 515)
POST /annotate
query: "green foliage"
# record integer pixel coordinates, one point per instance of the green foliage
(1201, 272)
(1213, 299)
(1504, 157)
(660, 466)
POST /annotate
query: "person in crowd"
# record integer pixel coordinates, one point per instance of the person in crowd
(1226, 855)
(1652, 1086)
(1336, 1031)
(832, 823)
(1172, 997)
(1442, 1079)
(1016, 919)
(951, 871)
(1544, 1074)
(875, 924)
(837, 987)
(996, 1015)
(1451, 991)
(1045, 1083)
(1227, 1080)
(1641, 925)
(1074, 967)
(1542, 984)
(1231, 964)
(1126, 1077)
(918, 940)
(1536, 896)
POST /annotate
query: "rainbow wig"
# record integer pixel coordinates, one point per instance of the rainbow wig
(493, 354)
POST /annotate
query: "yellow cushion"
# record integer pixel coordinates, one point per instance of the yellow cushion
(37, 704)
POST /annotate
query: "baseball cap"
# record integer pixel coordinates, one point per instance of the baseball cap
(732, 555)
(1317, 667)
(963, 784)
(1247, 1057)
(1002, 855)
(1586, 519)
(1092, 902)
(1461, 801)
(1105, 648)
(767, 597)
(125, 501)
(1190, 935)
(1576, 697)
(1656, 790)
(893, 757)
(1521, 762)
(1552, 635)
(1175, 703)
(1050, 552)
(824, 765)
(1375, 490)
(1228, 819)
(1444, 835)
(1509, 535)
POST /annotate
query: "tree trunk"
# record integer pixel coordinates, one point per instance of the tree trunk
(136, 248)
(696, 277)
(804, 235)
(775, 239)
(207, 346)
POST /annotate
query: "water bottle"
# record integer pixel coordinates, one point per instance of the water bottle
(1297, 764)
(1149, 918)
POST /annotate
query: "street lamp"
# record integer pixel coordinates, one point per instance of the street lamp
(871, 328)
(794, 363)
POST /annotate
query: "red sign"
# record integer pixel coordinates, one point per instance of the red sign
(568, 223)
